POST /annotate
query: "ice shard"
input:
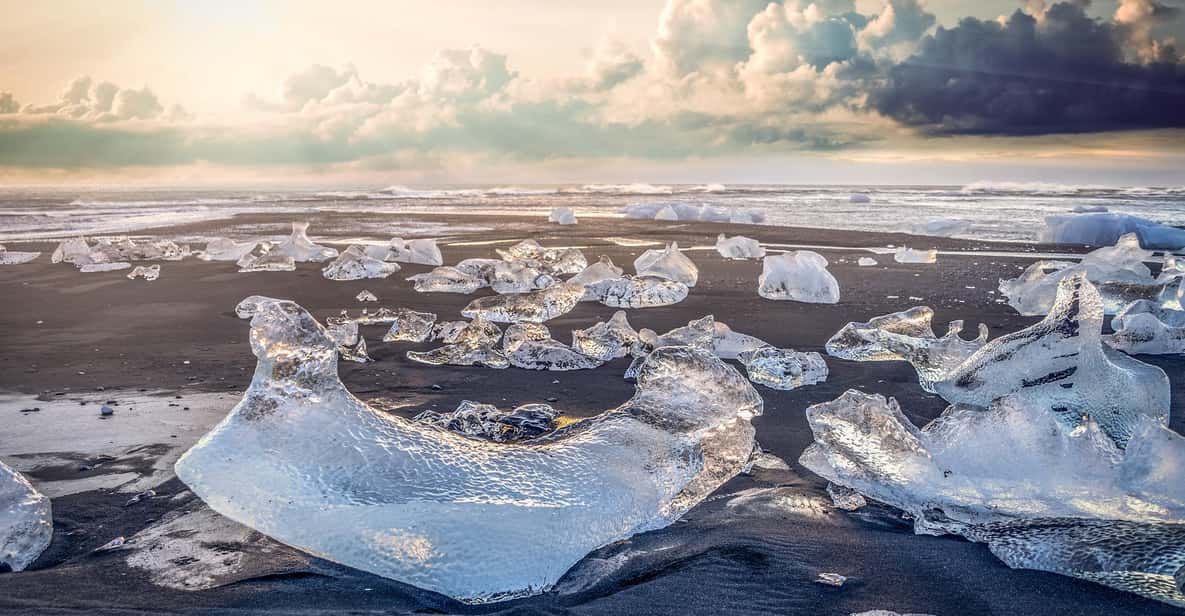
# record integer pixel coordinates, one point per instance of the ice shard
(226, 249)
(357, 353)
(446, 279)
(517, 277)
(486, 421)
(471, 345)
(562, 216)
(263, 258)
(535, 307)
(435, 509)
(784, 368)
(147, 272)
(739, 247)
(354, 264)
(343, 330)
(905, 254)
(421, 251)
(366, 296)
(26, 524)
(1146, 327)
(70, 251)
(88, 268)
(607, 340)
(668, 263)
(799, 276)
(1061, 364)
(13, 257)
(907, 336)
(301, 248)
(637, 292)
(410, 326)
(531, 347)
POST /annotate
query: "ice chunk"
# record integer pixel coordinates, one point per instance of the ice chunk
(668, 263)
(357, 353)
(699, 333)
(448, 331)
(1145, 327)
(486, 421)
(343, 330)
(410, 326)
(1061, 364)
(471, 345)
(301, 248)
(382, 315)
(531, 347)
(421, 251)
(784, 368)
(905, 254)
(602, 270)
(799, 276)
(739, 247)
(70, 251)
(606, 340)
(88, 268)
(225, 249)
(263, 258)
(147, 272)
(859, 198)
(26, 524)
(637, 292)
(446, 279)
(535, 307)
(366, 296)
(728, 344)
(907, 336)
(517, 277)
(405, 500)
(1101, 229)
(551, 260)
(667, 213)
(355, 264)
(12, 257)
(562, 215)
(866, 261)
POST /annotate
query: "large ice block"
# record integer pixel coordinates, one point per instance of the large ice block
(905, 254)
(551, 260)
(226, 249)
(26, 523)
(739, 247)
(607, 340)
(1100, 229)
(535, 307)
(471, 345)
(1146, 327)
(602, 270)
(637, 292)
(301, 248)
(305, 462)
(667, 263)
(562, 216)
(422, 251)
(799, 276)
(354, 264)
(263, 258)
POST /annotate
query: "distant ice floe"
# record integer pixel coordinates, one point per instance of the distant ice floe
(799, 276)
(905, 254)
(1146, 327)
(14, 257)
(668, 263)
(26, 523)
(683, 211)
(1103, 229)
(739, 247)
(562, 216)
(434, 508)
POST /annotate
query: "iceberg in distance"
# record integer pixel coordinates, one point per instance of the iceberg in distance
(1104, 228)
(799, 276)
(473, 519)
(26, 522)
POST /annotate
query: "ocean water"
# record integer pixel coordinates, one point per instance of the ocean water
(989, 211)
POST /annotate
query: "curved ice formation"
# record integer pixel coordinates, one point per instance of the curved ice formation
(637, 292)
(905, 254)
(301, 248)
(562, 215)
(1004, 474)
(226, 249)
(531, 347)
(1101, 229)
(668, 263)
(607, 340)
(422, 251)
(739, 247)
(486, 421)
(13, 257)
(784, 369)
(535, 307)
(907, 336)
(410, 326)
(26, 523)
(147, 272)
(354, 264)
(1061, 364)
(799, 276)
(446, 279)
(1148, 328)
(468, 518)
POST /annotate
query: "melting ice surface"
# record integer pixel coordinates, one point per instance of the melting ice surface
(472, 519)
(26, 525)
(355, 264)
(531, 347)
(636, 292)
(422, 251)
(904, 254)
(487, 422)
(301, 248)
(799, 276)
(535, 307)
(668, 263)
(410, 326)
(467, 344)
(784, 368)
(739, 247)
(1147, 327)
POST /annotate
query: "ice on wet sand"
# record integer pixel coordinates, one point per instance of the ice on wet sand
(866, 262)
(410, 326)
(147, 272)
(263, 258)
(354, 264)
(301, 248)
(1101, 229)
(531, 347)
(226, 249)
(467, 344)
(607, 340)
(26, 524)
(562, 216)
(668, 263)
(1145, 327)
(535, 307)
(799, 276)
(905, 254)
(784, 368)
(422, 251)
(739, 247)
(366, 296)
(636, 292)
(14, 257)
(446, 279)
(404, 500)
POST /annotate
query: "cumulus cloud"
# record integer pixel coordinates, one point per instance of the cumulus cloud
(8, 104)
(612, 63)
(84, 99)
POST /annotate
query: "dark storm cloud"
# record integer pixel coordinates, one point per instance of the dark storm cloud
(1067, 73)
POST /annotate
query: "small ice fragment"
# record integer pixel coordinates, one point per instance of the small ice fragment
(602, 270)
(114, 544)
(1144, 327)
(554, 261)
(12, 257)
(905, 254)
(421, 251)
(471, 345)
(831, 579)
(301, 248)
(606, 340)
(668, 263)
(859, 198)
(446, 279)
(531, 347)
(535, 307)
(562, 215)
(487, 422)
(410, 326)
(637, 292)
(226, 249)
(728, 344)
(784, 369)
(356, 353)
(366, 296)
(354, 264)
(799, 276)
(866, 262)
(147, 272)
(382, 315)
(26, 523)
(739, 247)
(263, 258)
(104, 267)
(845, 498)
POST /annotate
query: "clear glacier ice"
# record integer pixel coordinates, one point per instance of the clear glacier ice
(799, 276)
(301, 248)
(554, 261)
(226, 249)
(422, 251)
(905, 254)
(1101, 229)
(15, 257)
(515, 277)
(410, 326)
(354, 264)
(472, 519)
(866, 262)
(446, 279)
(366, 296)
(607, 340)
(88, 268)
(1146, 327)
(784, 369)
(531, 347)
(602, 270)
(343, 330)
(636, 292)
(739, 247)
(669, 263)
(109, 251)
(729, 344)
(470, 345)
(147, 272)
(907, 336)
(562, 216)
(486, 421)
(26, 521)
(535, 307)
(263, 258)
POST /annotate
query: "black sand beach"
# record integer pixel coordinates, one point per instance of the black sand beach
(754, 548)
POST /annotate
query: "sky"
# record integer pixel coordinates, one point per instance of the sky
(536, 91)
